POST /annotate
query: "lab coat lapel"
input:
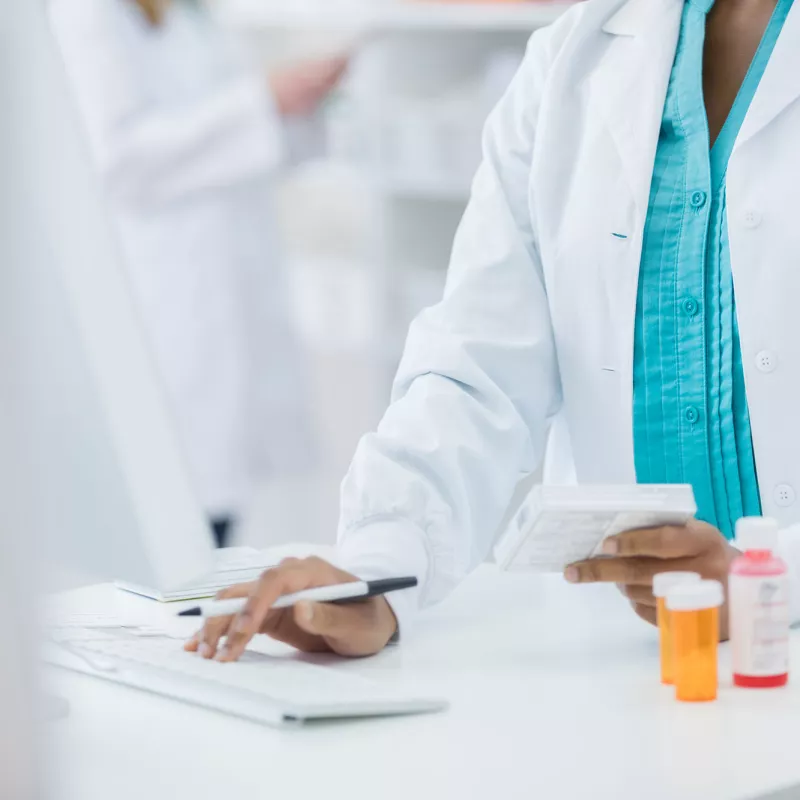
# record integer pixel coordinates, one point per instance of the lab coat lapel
(629, 88)
(780, 86)
(631, 84)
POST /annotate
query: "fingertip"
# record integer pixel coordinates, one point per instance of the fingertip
(191, 645)
(205, 650)
(572, 574)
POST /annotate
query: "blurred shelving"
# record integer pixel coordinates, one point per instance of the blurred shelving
(408, 121)
(392, 16)
(415, 189)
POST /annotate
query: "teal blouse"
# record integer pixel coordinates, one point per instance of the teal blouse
(691, 422)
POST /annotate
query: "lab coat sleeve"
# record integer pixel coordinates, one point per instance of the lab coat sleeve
(148, 153)
(477, 385)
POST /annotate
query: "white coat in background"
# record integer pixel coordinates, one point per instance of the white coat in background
(539, 309)
(188, 142)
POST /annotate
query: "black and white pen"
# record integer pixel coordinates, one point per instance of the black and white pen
(339, 594)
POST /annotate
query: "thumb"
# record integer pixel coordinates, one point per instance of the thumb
(360, 629)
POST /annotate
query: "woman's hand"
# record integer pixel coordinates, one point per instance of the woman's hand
(356, 629)
(632, 559)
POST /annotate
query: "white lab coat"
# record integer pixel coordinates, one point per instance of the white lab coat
(538, 313)
(188, 143)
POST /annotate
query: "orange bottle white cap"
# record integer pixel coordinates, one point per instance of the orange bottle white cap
(696, 596)
(756, 533)
(665, 581)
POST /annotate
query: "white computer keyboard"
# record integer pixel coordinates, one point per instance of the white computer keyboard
(265, 689)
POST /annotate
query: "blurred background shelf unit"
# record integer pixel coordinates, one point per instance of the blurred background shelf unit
(407, 124)
(369, 227)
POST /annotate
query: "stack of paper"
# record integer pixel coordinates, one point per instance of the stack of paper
(234, 565)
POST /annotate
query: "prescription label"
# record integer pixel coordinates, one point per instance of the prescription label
(759, 624)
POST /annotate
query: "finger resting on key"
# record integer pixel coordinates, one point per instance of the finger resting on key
(238, 638)
(209, 637)
(292, 577)
(260, 616)
(235, 645)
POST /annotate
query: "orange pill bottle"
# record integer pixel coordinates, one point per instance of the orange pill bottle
(662, 583)
(695, 627)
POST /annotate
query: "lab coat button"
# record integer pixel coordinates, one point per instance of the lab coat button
(766, 361)
(752, 219)
(784, 495)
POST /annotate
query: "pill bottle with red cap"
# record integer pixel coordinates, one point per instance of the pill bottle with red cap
(758, 602)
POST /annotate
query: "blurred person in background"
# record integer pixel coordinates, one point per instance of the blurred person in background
(189, 136)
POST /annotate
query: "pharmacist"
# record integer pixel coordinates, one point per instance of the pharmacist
(190, 136)
(629, 263)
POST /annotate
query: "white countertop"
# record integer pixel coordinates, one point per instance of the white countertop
(555, 694)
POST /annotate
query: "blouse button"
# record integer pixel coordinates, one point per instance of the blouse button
(690, 307)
